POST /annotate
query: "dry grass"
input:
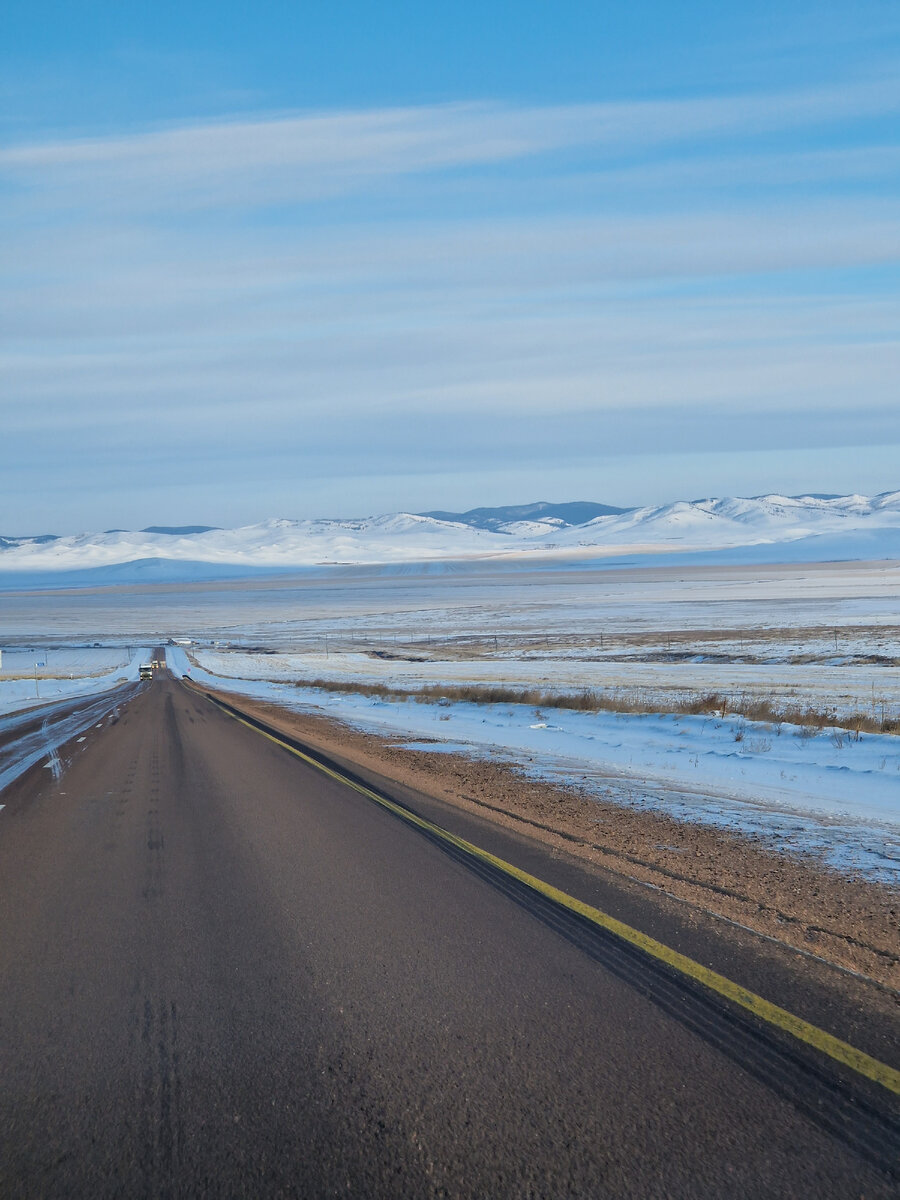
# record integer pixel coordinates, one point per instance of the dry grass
(806, 717)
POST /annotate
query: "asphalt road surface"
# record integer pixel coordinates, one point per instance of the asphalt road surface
(224, 973)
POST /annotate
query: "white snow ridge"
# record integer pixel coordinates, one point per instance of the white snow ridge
(760, 529)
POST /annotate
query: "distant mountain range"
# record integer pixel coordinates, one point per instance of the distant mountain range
(576, 512)
(756, 529)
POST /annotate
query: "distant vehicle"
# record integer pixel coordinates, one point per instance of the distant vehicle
(145, 671)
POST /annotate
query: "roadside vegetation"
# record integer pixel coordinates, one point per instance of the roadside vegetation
(878, 718)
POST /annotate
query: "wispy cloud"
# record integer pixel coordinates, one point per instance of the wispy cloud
(309, 156)
(173, 282)
(559, 281)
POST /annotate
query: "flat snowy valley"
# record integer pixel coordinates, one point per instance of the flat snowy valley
(798, 748)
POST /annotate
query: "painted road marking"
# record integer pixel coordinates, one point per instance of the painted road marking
(765, 1010)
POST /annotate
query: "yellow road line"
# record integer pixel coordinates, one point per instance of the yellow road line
(841, 1052)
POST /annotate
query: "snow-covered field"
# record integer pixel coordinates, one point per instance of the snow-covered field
(843, 689)
(63, 672)
(817, 792)
(825, 637)
(523, 605)
(810, 633)
(60, 661)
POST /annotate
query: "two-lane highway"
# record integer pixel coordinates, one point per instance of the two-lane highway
(225, 973)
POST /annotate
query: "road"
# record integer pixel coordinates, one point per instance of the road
(225, 973)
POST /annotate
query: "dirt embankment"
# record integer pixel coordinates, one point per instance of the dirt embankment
(797, 901)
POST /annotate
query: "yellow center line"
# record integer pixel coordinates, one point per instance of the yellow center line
(836, 1049)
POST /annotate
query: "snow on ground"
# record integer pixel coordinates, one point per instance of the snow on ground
(511, 602)
(825, 793)
(75, 671)
(826, 635)
(59, 662)
(845, 689)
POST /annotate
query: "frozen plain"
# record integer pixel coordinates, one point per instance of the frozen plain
(825, 634)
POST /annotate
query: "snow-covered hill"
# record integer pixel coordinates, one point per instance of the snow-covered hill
(734, 521)
(764, 528)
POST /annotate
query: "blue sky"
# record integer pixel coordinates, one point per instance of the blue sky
(306, 260)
